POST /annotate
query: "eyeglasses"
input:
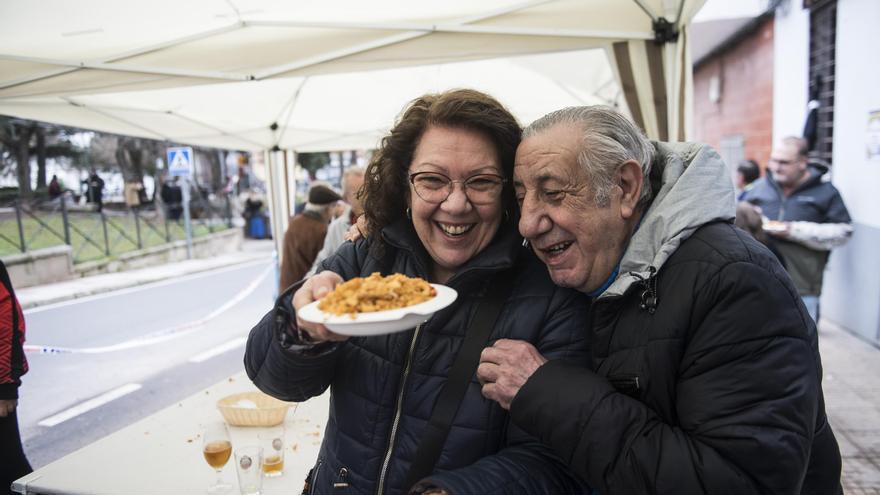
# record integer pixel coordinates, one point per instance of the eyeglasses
(480, 189)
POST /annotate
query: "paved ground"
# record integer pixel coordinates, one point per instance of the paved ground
(852, 396)
(852, 366)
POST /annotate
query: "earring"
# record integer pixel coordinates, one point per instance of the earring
(408, 213)
(506, 216)
(525, 243)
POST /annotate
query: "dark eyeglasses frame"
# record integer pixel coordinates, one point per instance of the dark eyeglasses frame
(451, 187)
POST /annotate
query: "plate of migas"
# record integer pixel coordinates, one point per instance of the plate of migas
(354, 315)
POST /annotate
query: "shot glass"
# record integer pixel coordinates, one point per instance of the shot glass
(248, 466)
(272, 441)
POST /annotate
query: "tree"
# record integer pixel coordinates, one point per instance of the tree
(313, 162)
(15, 134)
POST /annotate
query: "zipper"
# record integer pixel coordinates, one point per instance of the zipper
(397, 411)
(314, 477)
(627, 384)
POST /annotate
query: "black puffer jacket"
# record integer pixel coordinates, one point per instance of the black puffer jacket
(368, 378)
(707, 377)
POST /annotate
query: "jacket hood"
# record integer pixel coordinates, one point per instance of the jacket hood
(692, 186)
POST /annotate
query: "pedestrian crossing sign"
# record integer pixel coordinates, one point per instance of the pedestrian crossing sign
(180, 161)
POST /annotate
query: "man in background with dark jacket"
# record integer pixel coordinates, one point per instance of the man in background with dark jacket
(809, 214)
(705, 374)
(13, 364)
(305, 234)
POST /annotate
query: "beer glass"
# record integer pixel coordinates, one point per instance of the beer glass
(248, 463)
(272, 440)
(217, 448)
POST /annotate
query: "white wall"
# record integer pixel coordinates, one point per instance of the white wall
(852, 278)
(791, 70)
(857, 92)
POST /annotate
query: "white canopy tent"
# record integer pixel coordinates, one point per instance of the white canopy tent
(276, 74)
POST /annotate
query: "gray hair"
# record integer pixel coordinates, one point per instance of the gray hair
(609, 140)
(351, 172)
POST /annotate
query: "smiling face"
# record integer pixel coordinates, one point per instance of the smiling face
(579, 242)
(455, 230)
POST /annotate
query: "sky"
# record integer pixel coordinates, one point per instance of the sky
(726, 9)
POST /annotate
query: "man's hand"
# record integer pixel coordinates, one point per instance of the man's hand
(358, 230)
(315, 288)
(7, 407)
(505, 367)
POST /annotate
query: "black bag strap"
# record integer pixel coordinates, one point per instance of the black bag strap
(459, 379)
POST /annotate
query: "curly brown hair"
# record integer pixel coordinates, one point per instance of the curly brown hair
(385, 191)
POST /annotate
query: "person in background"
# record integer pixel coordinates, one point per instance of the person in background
(809, 216)
(748, 218)
(439, 201)
(95, 189)
(13, 364)
(747, 172)
(305, 234)
(55, 188)
(705, 374)
(352, 180)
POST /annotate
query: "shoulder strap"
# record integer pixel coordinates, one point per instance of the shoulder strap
(459, 379)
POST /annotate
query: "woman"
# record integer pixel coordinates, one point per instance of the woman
(439, 198)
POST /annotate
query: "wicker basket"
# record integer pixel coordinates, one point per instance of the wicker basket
(269, 411)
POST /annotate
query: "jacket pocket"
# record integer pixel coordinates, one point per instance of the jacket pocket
(626, 384)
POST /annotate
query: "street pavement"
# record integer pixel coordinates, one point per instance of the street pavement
(851, 365)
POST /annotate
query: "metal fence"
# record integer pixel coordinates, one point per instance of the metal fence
(94, 235)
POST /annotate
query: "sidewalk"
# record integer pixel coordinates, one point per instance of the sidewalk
(31, 297)
(852, 400)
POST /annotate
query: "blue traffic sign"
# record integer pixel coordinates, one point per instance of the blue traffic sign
(180, 161)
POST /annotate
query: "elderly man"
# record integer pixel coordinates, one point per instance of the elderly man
(811, 216)
(305, 234)
(705, 374)
(352, 180)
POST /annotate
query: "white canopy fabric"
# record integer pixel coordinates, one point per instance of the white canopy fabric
(251, 74)
(59, 48)
(335, 111)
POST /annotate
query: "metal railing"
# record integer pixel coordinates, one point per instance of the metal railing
(96, 235)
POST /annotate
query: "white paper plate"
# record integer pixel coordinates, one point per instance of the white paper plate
(380, 322)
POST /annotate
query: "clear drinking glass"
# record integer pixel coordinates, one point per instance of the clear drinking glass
(248, 466)
(217, 449)
(272, 440)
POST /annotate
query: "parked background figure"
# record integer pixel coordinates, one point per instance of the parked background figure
(305, 234)
(13, 364)
(747, 172)
(256, 222)
(810, 214)
(55, 188)
(352, 180)
(95, 189)
(748, 218)
(172, 196)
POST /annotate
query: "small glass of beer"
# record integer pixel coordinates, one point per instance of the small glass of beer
(217, 449)
(272, 440)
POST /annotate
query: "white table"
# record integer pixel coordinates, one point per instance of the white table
(163, 452)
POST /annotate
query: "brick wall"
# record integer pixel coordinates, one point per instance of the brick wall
(745, 103)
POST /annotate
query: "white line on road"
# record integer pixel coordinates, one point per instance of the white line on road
(145, 286)
(90, 404)
(220, 349)
(159, 336)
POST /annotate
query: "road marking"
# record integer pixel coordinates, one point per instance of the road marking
(90, 404)
(220, 349)
(158, 336)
